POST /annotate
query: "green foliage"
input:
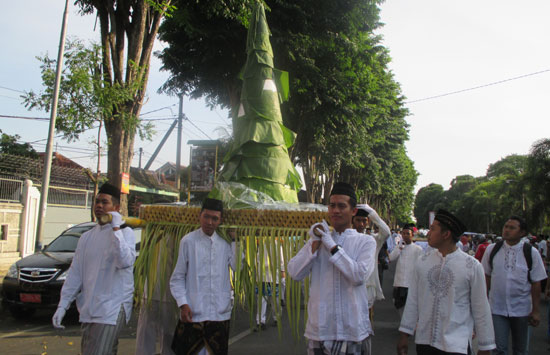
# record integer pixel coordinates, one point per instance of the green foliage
(428, 198)
(9, 145)
(84, 96)
(345, 105)
(514, 185)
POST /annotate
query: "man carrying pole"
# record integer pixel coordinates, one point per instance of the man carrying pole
(339, 263)
(101, 278)
(201, 286)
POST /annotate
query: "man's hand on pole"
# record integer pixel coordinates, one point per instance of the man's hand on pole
(326, 238)
(116, 220)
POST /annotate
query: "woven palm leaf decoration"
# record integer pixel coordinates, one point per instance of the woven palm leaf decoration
(272, 235)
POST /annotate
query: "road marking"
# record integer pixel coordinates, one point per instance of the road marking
(23, 331)
(239, 336)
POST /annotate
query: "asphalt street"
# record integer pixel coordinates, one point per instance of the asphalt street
(36, 335)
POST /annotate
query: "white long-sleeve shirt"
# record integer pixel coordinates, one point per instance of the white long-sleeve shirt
(374, 289)
(101, 275)
(406, 260)
(510, 291)
(446, 299)
(338, 306)
(201, 276)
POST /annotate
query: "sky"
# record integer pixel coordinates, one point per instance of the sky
(438, 47)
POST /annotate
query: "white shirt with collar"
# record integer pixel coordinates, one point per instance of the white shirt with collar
(101, 276)
(446, 299)
(338, 306)
(374, 289)
(201, 276)
(406, 259)
(510, 293)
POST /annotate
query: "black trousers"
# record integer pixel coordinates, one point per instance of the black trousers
(422, 349)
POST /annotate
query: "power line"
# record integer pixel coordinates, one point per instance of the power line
(26, 117)
(19, 91)
(159, 109)
(194, 125)
(478, 87)
(9, 97)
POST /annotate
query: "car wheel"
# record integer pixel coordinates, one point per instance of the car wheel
(20, 312)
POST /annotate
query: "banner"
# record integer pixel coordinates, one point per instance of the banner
(203, 169)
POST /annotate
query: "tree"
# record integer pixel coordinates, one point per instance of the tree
(344, 104)
(538, 182)
(9, 145)
(428, 198)
(127, 32)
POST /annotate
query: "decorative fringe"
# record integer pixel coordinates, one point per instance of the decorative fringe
(266, 242)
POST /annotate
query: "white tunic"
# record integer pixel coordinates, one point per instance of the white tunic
(510, 292)
(446, 299)
(101, 275)
(338, 306)
(374, 289)
(201, 276)
(406, 260)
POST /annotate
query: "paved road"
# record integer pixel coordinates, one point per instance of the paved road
(36, 336)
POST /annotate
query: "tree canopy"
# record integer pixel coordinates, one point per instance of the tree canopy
(514, 185)
(9, 145)
(345, 106)
(113, 83)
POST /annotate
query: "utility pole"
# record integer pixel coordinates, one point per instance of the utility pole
(152, 159)
(140, 154)
(178, 153)
(49, 146)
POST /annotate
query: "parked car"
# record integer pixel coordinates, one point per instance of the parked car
(35, 281)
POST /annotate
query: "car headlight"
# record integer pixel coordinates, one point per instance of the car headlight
(12, 272)
(63, 275)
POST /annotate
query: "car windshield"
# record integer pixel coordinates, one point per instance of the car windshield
(67, 241)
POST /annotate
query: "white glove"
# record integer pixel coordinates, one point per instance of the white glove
(366, 207)
(326, 238)
(321, 228)
(58, 317)
(117, 221)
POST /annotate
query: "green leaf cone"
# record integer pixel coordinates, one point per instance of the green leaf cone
(259, 157)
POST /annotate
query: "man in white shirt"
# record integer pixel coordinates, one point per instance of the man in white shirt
(514, 286)
(406, 254)
(360, 221)
(201, 286)
(338, 264)
(447, 297)
(543, 246)
(101, 278)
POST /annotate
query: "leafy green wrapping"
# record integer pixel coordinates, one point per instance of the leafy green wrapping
(258, 157)
(277, 245)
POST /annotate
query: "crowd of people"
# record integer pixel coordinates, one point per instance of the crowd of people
(455, 288)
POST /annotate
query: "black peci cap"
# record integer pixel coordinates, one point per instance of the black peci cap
(109, 189)
(449, 220)
(343, 188)
(212, 204)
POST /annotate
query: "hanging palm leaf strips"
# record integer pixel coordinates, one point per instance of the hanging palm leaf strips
(267, 239)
